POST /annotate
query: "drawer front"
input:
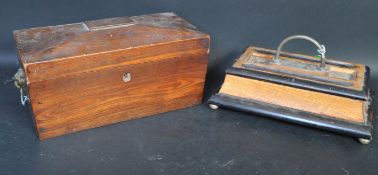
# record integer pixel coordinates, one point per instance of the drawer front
(97, 98)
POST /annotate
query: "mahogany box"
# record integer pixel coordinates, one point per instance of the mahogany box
(94, 73)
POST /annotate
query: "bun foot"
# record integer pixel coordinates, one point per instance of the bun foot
(214, 107)
(364, 141)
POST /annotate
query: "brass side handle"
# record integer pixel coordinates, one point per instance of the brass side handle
(20, 82)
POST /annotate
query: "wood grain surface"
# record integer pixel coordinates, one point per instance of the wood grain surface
(98, 98)
(76, 65)
(305, 100)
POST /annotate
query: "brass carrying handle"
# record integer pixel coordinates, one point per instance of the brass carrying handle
(321, 49)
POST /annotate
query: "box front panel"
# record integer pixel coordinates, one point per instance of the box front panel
(98, 98)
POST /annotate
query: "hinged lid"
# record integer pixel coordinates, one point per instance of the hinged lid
(87, 39)
(62, 41)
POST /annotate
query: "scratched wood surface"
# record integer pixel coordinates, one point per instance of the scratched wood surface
(74, 71)
(305, 100)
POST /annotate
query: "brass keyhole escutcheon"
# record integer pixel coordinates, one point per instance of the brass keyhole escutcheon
(126, 77)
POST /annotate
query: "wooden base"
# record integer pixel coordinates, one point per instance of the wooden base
(358, 130)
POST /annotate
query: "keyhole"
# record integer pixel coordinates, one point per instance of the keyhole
(126, 77)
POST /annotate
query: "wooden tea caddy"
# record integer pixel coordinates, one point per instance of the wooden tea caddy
(321, 93)
(94, 73)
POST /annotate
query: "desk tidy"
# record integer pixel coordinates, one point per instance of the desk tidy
(321, 93)
(89, 74)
